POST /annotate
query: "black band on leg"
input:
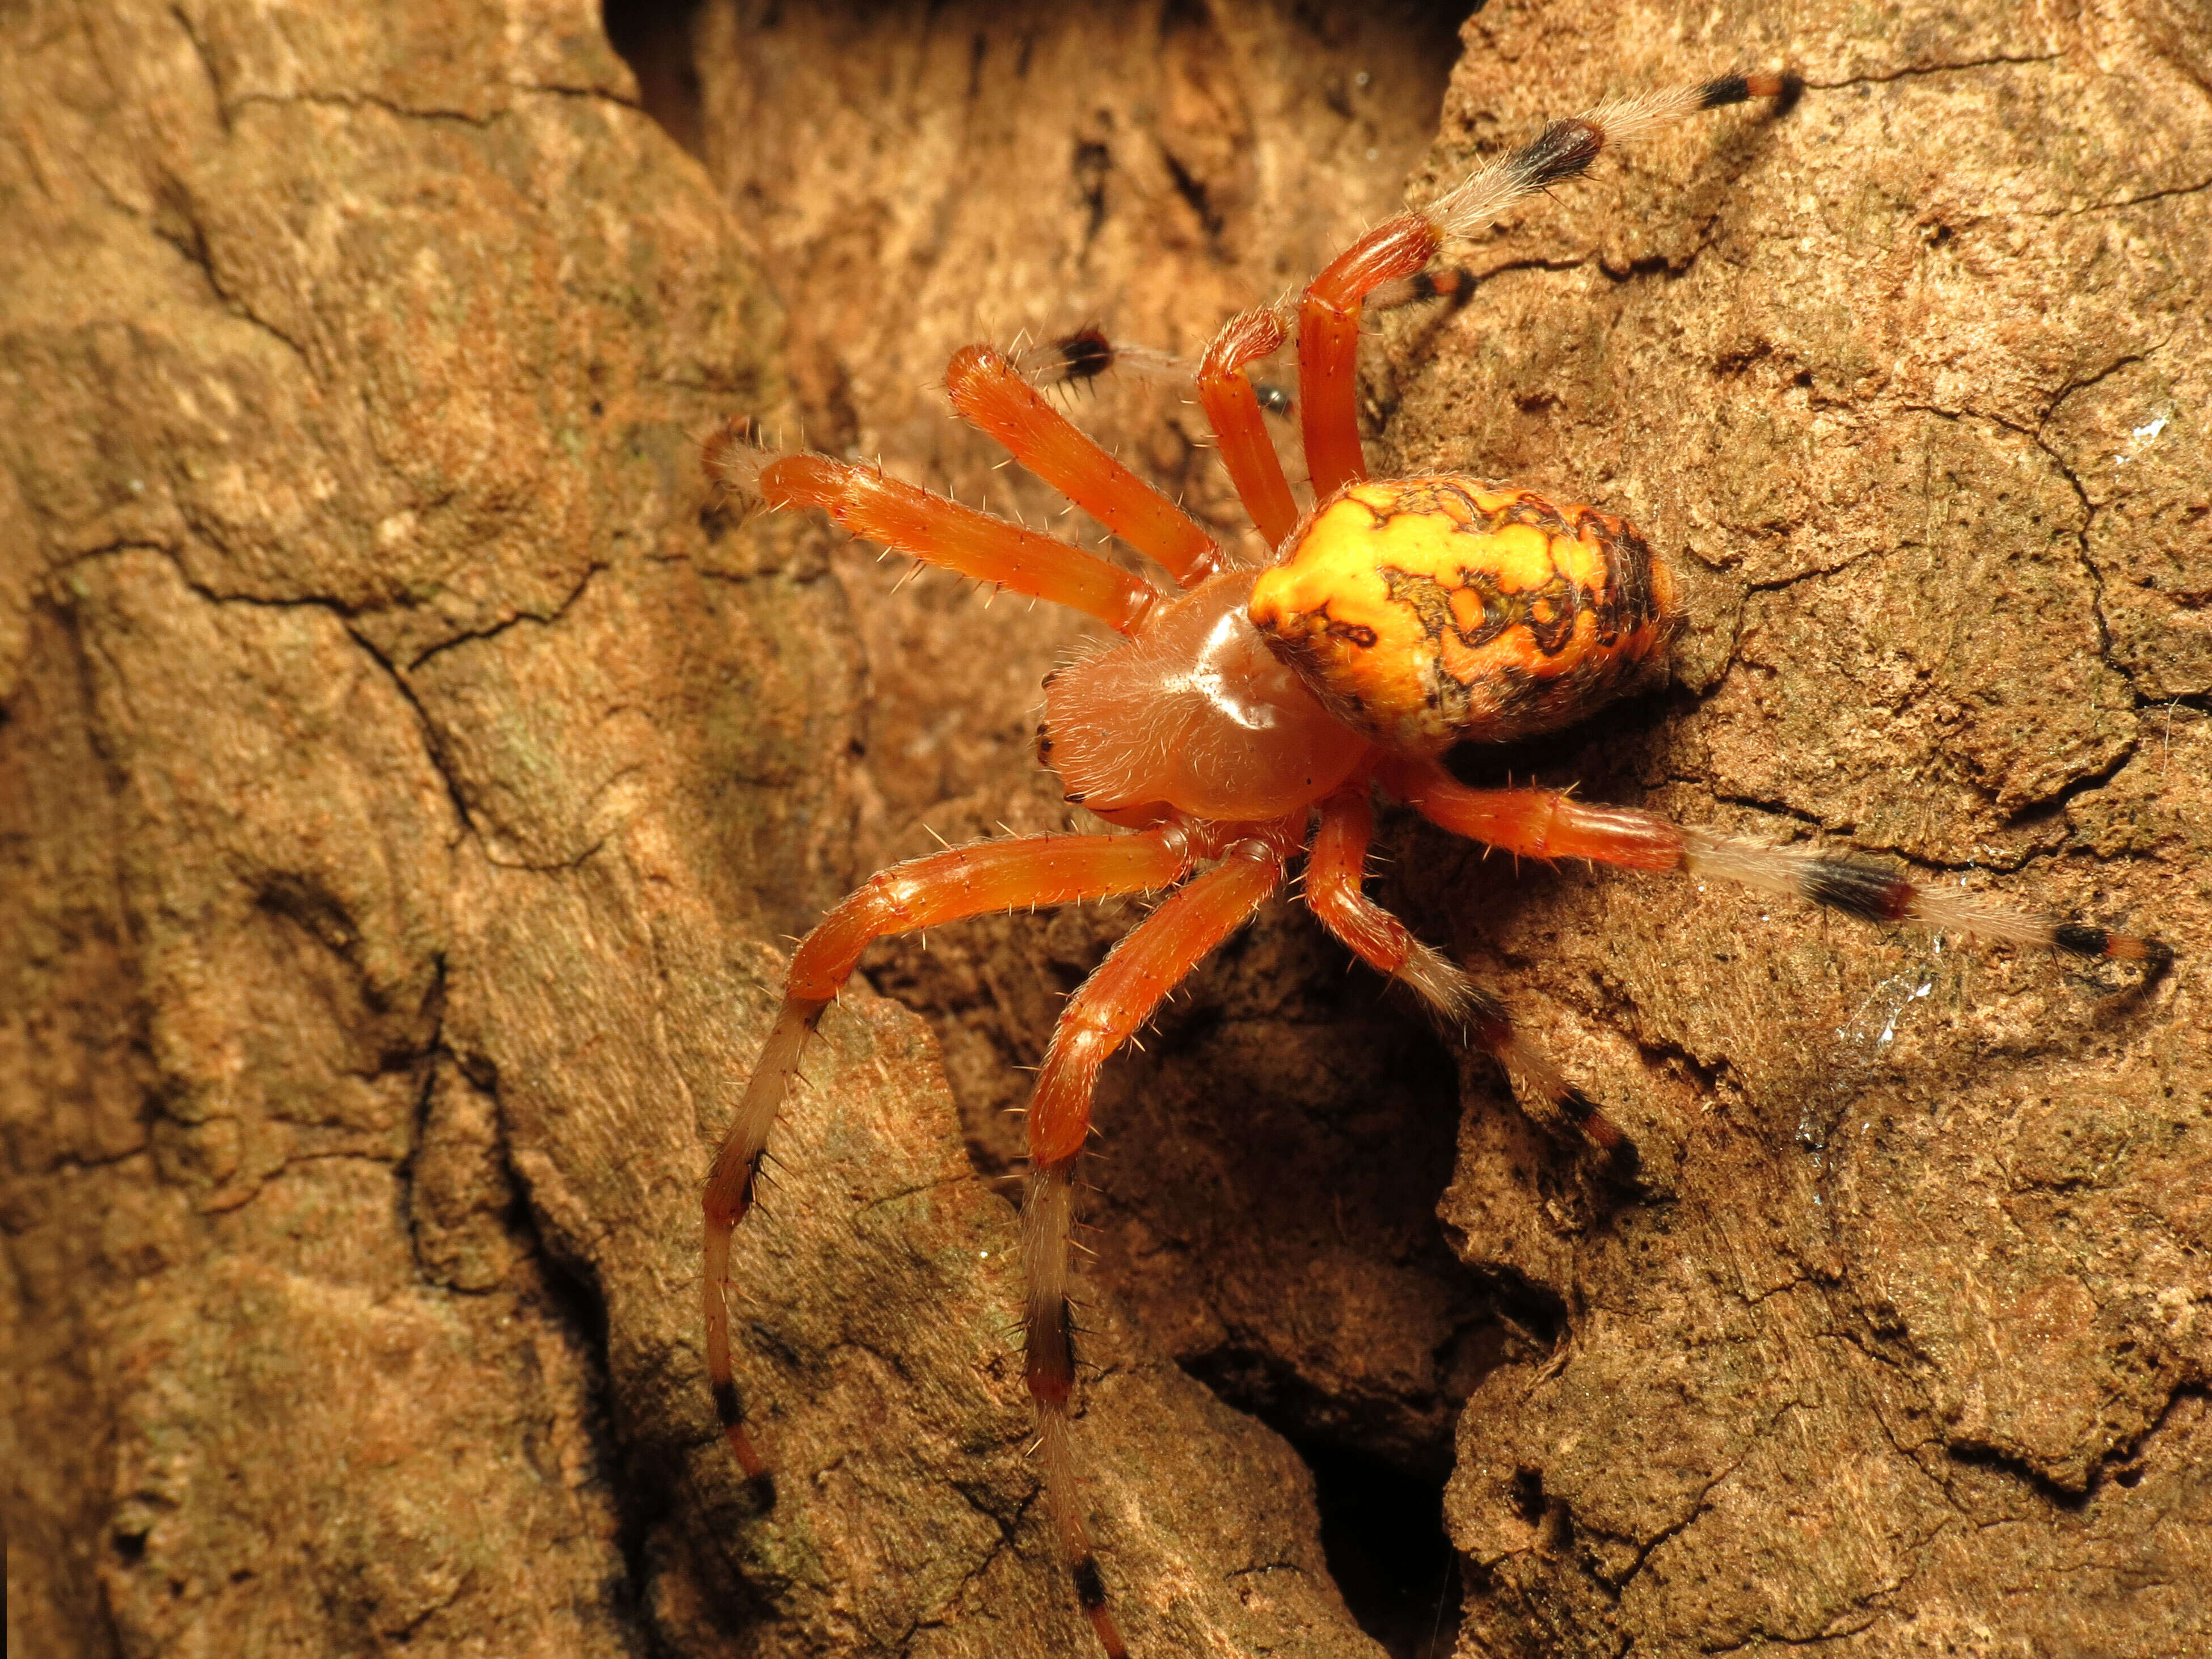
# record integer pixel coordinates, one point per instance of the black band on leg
(1086, 355)
(2080, 938)
(1872, 892)
(1784, 87)
(2084, 940)
(1089, 1585)
(1564, 150)
(727, 1406)
(1622, 1160)
(1050, 1368)
(761, 1484)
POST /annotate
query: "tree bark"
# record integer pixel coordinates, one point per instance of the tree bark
(409, 783)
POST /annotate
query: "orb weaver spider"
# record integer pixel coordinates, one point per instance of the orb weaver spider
(1252, 714)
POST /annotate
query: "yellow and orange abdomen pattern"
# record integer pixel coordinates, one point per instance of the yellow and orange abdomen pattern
(1430, 611)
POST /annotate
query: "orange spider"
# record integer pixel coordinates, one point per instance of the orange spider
(1254, 715)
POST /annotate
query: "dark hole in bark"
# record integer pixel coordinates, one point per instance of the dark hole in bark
(1383, 1532)
(654, 39)
(1527, 1494)
(1382, 1518)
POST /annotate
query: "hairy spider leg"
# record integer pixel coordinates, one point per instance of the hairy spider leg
(965, 881)
(912, 520)
(1328, 344)
(1453, 282)
(1335, 865)
(1544, 824)
(1397, 249)
(1081, 357)
(1232, 409)
(1103, 1013)
(990, 395)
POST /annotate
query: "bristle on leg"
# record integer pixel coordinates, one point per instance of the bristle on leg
(1871, 889)
(1452, 283)
(1566, 147)
(1399, 250)
(1085, 356)
(733, 455)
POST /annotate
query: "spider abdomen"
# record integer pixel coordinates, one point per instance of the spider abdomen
(1429, 612)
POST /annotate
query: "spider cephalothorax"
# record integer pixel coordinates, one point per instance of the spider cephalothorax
(1253, 714)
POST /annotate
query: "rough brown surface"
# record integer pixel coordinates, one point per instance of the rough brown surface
(1903, 1349)
(404, 789)
(404, 779)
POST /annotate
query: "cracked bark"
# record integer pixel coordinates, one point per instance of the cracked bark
(1940, 1197)
(376, 967)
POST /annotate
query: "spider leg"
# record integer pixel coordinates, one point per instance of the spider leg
(989, 394)
(1399, 249)
(1108, 1008)
(1544, 824)
(1453, 282)
(1334, 867)
(1079, 358)
(912, 520)
(963, 881)
(1328, 343)
(1231, 401)
(1232, 409)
